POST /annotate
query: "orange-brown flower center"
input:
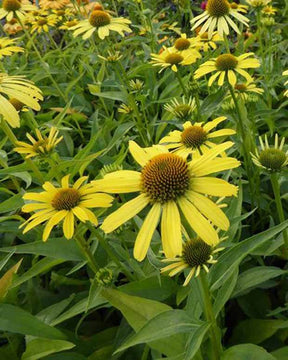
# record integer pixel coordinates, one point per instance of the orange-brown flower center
(166, 177)
(18, 105)
(182, 44)
(194, 136)
(99, 18)
(226, 62)
(11, 5)
(66, 199)
(218, 8)
(240, 87)
(173, 59)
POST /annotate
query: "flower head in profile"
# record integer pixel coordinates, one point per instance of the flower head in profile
(217, 15)
(196, 256)
(269, 10)
(42, 146)
(181, 109)
(285, 73)
(186, 46)
(205, 43)
(8, 47)
(195, 139)
(55, 204)
(15, 9)
(12, 27)
(168, 183)
(17, 88)
(68, 24)
(101, 22)
(272, 159)
(258, 3)
(53, 4)
(228, 67)
(173, 59)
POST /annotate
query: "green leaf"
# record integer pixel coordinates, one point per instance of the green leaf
(111, 95)
(256, 330)
(233, 256)
(13, 203)
(246, 352)
(16, 320)
(40, 267)
(59, 248)
(6, 280)
(195, 340)
(281, 354)
(38, 348)
(168, 323)
(249, 279)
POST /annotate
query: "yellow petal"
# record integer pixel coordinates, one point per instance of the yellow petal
(54, 220)
(124, 213)
(171, 230)
(146, 232)
(68, 225)
(213, 186)
(138, 153)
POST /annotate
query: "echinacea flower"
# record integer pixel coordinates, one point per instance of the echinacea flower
(8, 48)
(258, 3)
(166, 183)
(64, 203)
(217, 15)
(243, 90)
(42, 146)
(227, 66)
(43, 23)
(205, 43)
(269, 10)
(171, 58)
(186, 46)
(195, 139)
(271, 159)
(101, 22)
(15, 9)
(21, 89)
(12, 27)
(181, 109)
(196, 256)
(53, 4)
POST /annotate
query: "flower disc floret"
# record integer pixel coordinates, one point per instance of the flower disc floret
(182, 44)
(226, 62)
(218, 8)
(272, 159)
(174, 59)
(99, 18)
(66, 199)
(11, 5)
(240, 87)
(193, 136)
(166, 177)
(196, 253)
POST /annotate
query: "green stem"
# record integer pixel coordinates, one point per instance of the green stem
(226, 42)
(42, 61)
(277, 197)
(13, 140)
(182, 85)
(145, 353)
(210, 317)
(105, 245)
(87, 253)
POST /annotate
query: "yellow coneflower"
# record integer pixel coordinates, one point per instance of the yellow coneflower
(271, 159)
(15, 9)
(217, 16)
(112, 57)
(243, 90)
(21, 89)
(53, 4)
(171, 58)
(12, 27)
(258, 3)
(166, 183)
(182, 109)
(269, 10)
(227, 66)
(68, 24)
(186, 46)
(195, 139)
(205, 43)
(197, 255)
(64, 203)
(41, 23)
(101, 22)
(7, 47)
(42, 146)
